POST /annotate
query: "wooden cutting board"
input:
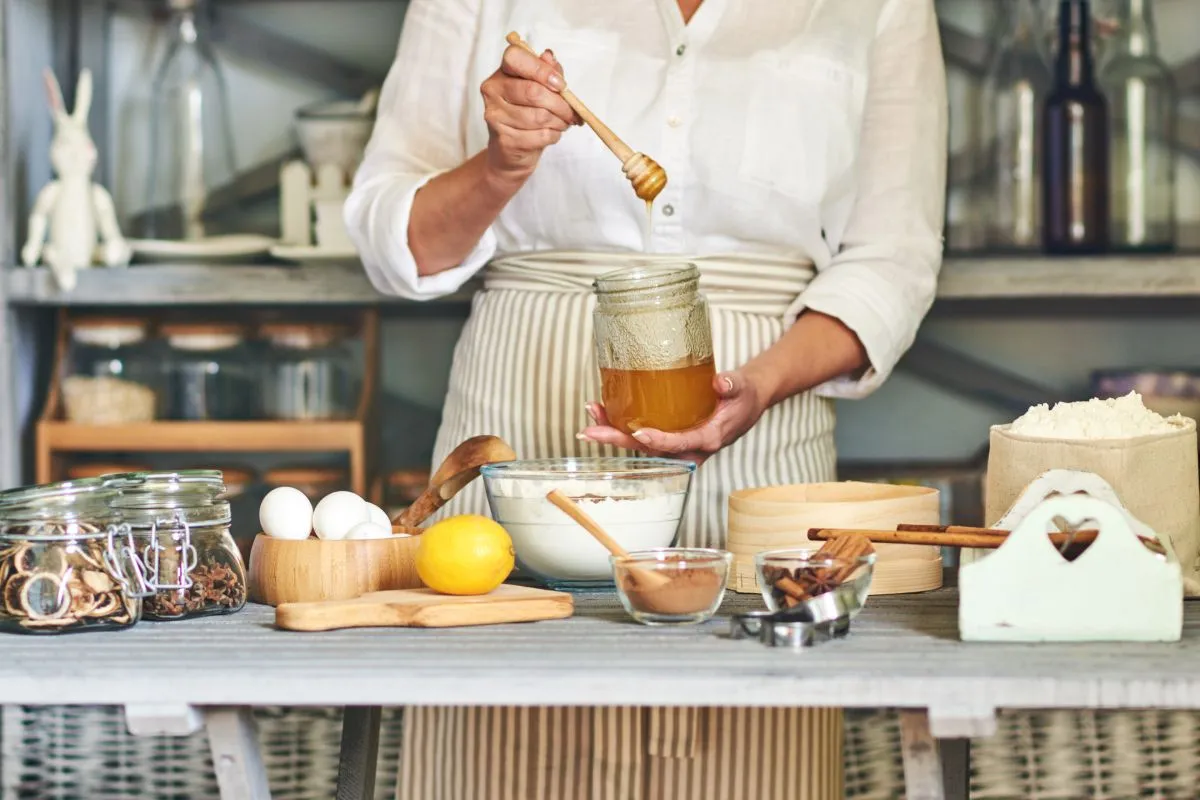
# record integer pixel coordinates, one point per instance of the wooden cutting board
(425, 608)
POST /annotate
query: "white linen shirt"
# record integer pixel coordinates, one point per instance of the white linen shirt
(813, 129)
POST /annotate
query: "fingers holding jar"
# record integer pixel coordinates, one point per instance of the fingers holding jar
(739, 407)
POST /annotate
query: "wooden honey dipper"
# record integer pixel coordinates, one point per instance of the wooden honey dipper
(646, 175)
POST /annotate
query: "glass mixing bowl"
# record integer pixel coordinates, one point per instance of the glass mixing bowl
(638, 501)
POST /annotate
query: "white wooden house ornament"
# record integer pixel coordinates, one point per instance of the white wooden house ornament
(1116, 590)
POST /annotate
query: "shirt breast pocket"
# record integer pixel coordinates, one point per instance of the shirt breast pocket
(589, 59)
(803, 122)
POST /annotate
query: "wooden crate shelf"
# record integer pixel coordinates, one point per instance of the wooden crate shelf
(56, 436)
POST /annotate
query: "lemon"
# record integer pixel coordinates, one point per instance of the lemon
(465, 555)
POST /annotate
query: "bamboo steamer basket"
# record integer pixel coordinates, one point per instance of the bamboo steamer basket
(779, 518)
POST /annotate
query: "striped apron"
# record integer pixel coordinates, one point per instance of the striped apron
(524, 368)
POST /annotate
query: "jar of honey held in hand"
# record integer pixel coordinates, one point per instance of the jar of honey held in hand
(654, 348)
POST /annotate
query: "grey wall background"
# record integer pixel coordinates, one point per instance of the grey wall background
(906, 420)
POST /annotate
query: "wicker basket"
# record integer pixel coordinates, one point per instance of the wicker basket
(76, 753)
(85, 753)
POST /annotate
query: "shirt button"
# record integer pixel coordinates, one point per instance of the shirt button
(668, 210)
(679, 51)
(674, 121)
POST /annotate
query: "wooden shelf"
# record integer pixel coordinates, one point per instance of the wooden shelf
(57, 436)
(226, 437)
(963, 278)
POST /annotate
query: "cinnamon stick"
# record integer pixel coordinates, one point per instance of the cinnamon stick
(977, 538)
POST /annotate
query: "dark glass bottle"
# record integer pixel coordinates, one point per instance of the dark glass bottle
(1142, 94)
(1075, 148)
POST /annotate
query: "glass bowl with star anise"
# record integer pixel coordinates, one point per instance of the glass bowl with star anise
(790, 577)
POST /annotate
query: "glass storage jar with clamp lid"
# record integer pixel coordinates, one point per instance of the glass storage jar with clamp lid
(180, 523)
(210, 375)
(67, 561)
(308, 372)
(110, 374)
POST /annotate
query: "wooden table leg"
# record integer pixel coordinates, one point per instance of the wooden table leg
(233, 739)
(360, 752)
(923, 778)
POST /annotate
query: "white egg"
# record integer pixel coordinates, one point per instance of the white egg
(286, 513)
(337, 513)
(369, 530)
(378, 516)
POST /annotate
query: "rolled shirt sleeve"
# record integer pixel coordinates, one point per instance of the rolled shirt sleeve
(883, 280)
(420, 133)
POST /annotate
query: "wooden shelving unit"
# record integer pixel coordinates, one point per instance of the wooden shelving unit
(56, 437)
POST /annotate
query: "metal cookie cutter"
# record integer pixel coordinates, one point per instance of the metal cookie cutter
(749, 624)
(817, 620)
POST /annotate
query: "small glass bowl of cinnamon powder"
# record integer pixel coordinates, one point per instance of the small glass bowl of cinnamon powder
(672, 585)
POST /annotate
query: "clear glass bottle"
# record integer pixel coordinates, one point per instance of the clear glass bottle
(308, 373)
(654, 348)
(210, 373)
(111, 373)
(1013, 93)
(180, 522)
(191, 134)
(1143, 105)
(66, 560)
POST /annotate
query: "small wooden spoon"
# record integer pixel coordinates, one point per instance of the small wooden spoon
(647, 177)
(460, 468)
(647, 578)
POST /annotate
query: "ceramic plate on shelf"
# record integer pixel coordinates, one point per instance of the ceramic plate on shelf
(315, 256)
(213, 249)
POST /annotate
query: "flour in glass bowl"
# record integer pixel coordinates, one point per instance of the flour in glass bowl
(1116, 418)
(550, 543)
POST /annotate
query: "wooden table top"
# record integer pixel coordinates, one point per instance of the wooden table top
(902, 652)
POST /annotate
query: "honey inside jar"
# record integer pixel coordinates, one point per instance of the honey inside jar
(654, 348)
(671, 400)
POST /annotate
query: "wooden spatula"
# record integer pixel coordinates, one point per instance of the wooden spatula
(646, 578)
(460, 468)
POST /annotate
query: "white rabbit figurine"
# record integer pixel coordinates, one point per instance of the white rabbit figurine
(73, 207)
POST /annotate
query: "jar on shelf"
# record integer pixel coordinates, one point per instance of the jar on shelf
(308, 372)
(654, 348)
(404, 486)
(66, 560)
(110, 373)
(314, 482)
(181, 527)
(210, 373)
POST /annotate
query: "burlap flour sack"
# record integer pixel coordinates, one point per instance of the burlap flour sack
(1154, 476)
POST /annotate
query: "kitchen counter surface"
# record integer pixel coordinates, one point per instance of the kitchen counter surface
(902, 652)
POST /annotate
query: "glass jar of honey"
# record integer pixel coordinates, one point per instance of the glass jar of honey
(654, 348)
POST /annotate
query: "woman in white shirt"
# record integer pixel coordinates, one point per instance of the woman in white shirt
(805, 144)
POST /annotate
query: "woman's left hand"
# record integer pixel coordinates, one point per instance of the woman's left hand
(740, 404)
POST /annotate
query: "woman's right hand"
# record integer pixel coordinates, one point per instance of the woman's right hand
(524, 112)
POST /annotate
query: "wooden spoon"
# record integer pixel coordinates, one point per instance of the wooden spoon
(646, 578)
(647, 177)
(460, 468)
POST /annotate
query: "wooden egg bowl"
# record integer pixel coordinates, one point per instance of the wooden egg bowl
(311, 570)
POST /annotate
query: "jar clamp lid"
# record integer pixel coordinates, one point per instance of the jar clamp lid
(74, 511)
(175, 504)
